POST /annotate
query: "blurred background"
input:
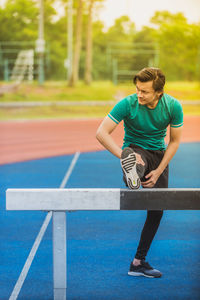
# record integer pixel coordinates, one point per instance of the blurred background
(75, 58)
(63, 66)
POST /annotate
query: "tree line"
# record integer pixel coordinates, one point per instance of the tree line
(170, 42)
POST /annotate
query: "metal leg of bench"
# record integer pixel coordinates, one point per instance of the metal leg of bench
(59, 255)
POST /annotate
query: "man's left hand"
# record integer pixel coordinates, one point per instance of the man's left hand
(152, 179)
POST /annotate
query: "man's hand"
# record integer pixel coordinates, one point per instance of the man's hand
(152, 179)
(139, 159)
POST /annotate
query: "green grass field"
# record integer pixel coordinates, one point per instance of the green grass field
(102, 91)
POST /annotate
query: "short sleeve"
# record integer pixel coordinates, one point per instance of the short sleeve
(119, 111)
(177, 115)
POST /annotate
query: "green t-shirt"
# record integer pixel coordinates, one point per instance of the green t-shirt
(144, 126)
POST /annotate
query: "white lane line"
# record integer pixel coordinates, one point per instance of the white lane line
(30, 258)
(39, 237)
(71, 167)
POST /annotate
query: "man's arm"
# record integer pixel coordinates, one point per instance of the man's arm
(103, 135)
(175, 137)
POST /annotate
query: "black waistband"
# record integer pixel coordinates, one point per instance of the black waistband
(152, 151)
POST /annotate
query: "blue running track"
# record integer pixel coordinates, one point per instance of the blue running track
(100, 244)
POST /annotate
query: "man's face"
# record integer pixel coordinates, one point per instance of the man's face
(146, 94)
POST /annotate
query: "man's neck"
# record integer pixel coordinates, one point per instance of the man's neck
(153, 104)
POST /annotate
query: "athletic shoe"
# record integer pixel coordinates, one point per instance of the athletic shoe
(129, 167)
(144, 269)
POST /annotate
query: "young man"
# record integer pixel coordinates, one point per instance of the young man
(144, 157)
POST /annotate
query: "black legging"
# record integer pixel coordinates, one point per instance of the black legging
(149, 230)
(152, 160)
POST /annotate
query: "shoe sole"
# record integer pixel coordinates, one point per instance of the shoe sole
(142, 274)
(128, 164)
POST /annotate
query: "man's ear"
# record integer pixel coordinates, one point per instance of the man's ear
(160, 94)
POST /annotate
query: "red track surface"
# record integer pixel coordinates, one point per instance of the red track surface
(27, 140)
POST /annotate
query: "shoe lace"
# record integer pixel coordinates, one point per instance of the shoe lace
(146, 265)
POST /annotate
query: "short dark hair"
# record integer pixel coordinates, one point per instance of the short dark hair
(151, 74)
